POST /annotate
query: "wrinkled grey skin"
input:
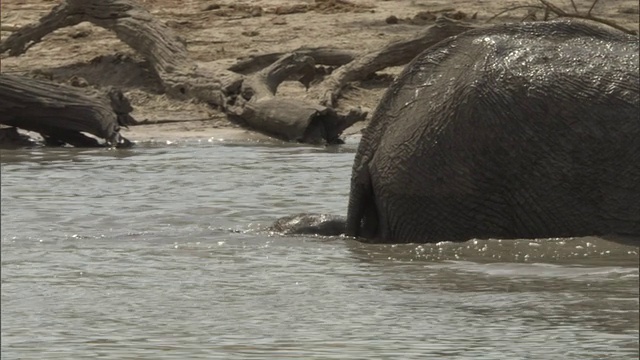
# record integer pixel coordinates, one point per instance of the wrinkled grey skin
(516, 131)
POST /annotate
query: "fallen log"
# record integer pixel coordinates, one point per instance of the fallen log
(62, 114)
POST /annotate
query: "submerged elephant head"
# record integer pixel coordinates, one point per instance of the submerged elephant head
(318, 224)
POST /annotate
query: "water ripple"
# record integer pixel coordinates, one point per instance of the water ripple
(156, 252)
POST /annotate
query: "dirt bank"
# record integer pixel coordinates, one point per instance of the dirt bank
(223, 31)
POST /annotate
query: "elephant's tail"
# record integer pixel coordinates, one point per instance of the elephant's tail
(362, 213)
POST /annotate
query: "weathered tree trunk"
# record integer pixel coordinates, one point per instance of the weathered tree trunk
(62, 113)
(249, 99)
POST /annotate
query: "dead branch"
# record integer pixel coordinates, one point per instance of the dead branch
(321, 56)
(575, 8)
(549, 7)
(514, 8)
(22, 39)
(264, 84)
(591, 8)
(561, 13)
(394, 54)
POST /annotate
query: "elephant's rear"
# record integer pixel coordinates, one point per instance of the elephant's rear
(517, 131)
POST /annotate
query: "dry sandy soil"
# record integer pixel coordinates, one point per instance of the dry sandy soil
(222, 31)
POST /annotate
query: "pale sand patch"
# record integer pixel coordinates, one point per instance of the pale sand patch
(201, 131)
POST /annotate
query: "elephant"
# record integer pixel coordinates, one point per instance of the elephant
(306, 223)
(524, 130)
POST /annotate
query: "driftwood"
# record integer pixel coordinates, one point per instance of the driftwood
(61, 114)
(248, 98)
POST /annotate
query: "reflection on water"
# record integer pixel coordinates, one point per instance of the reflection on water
(160, 253)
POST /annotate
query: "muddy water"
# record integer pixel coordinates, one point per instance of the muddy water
(157, 253)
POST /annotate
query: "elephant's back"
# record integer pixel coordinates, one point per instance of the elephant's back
(538, 123)
(526, 76)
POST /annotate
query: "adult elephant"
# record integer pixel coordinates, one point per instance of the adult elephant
(516, 131)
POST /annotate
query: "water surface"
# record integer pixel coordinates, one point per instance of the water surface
(159, 252)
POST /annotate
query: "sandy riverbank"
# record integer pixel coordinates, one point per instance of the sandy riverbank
(223, 33)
